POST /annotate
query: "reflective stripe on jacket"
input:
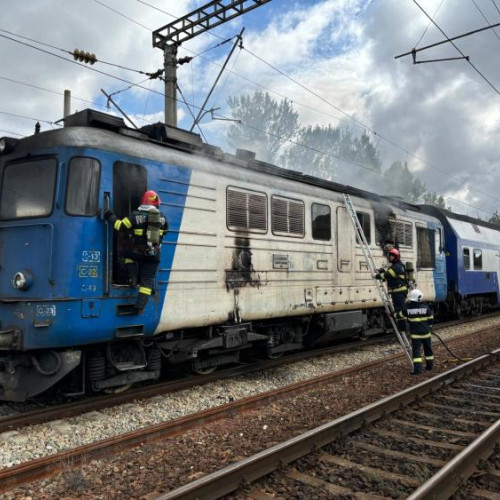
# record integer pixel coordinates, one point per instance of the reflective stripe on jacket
(396, 278)
(419, 317)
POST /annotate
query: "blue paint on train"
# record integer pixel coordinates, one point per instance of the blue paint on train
(70, 260)
(439, 273)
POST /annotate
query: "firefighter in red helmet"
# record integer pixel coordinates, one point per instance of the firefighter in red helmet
(397, 283)
(146, 227)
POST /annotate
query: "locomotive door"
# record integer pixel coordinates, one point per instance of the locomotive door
(344, 240)
(129, 183)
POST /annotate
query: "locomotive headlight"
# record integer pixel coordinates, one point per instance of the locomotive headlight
(22, 280)
(7, 144)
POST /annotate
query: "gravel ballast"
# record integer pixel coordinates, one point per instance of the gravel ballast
(164, 465)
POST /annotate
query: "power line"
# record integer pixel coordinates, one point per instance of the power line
(123, 15)
(338, 109)
(485, 18)
(66, 51)
(28, 118)
(428, 25)
(496, 6)
(456, 47)
(327, 154)
(368, 129)
(11, 133)
(56, 92)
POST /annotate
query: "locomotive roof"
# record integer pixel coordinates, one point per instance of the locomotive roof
(442, 213)
(181, 140)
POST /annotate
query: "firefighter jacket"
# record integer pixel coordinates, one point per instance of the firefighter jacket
(146, 227)
(419, 317)
(395, 277)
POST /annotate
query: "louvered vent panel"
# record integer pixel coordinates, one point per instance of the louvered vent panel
(279, 215)
(246, 211)
(287, 216)
(257, 205)
(404, 234)
(408, 235)
(296, 218)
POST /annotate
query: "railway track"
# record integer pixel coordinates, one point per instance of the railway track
(422, 443)
(21, 419)
(40, 415)
(49, 465)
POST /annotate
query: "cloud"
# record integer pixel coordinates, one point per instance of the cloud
(442, 118)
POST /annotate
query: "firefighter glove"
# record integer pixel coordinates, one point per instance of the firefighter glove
(381, 270)
(378, 277)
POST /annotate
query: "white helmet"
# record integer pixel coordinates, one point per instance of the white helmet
(416, 295)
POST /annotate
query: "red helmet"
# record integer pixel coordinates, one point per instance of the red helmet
(150, 198)
(395, 252)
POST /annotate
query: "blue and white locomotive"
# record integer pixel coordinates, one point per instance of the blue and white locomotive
(256, 259)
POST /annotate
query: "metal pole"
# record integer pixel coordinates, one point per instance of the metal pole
(202, 109)
(170, 65)
(119, 109)
(67, 103)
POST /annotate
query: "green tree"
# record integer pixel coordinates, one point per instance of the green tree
(434, 199)
(495, 218)
(332, 153)
(266, 124)
(400, 181)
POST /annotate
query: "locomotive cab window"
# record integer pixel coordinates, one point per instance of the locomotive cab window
(466, 256)
(83, 186)
(28, 189)
(129, 183)
(478, 258)
(364, 220)
(321, 222)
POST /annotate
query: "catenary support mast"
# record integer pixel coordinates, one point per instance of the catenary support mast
(169, 38)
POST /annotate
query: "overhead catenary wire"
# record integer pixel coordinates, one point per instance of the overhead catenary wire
(368, 129)
(10, 132)
(429, 24)
(57, 92)
(496, 6)
(457, 48)
(485, 18)
(29, 118)
(358, 123)
(349, 116)
(66, 51)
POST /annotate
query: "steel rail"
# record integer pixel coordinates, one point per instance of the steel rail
(445, 482)
(230, 478)
(66, 410)
(41, 467)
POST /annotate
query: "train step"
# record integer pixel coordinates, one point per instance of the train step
(126, 309)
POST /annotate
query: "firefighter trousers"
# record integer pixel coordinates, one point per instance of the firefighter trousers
(398, 301)
(416, 345)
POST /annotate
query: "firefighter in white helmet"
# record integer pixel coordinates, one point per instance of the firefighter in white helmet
(420, 318)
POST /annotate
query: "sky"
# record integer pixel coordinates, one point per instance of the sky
(334, 59)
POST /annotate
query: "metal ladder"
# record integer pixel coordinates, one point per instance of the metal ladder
(384, 295)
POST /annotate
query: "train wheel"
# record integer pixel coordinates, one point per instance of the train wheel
(200, 370)
(274, 355)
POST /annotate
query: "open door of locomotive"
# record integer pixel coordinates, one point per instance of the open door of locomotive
(129, 183)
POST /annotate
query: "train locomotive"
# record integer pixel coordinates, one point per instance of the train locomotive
(257, 259)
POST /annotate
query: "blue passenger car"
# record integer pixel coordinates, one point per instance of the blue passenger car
(472, 249)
